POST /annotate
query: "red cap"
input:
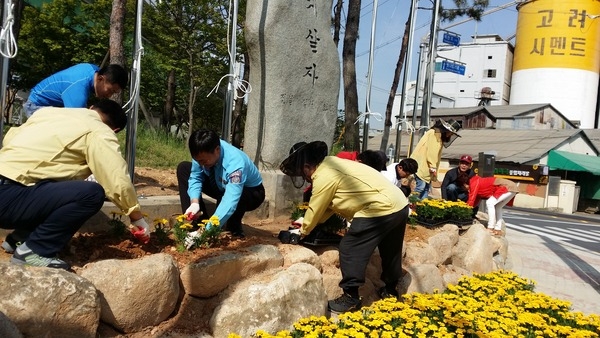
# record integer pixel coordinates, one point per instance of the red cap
(466, 158)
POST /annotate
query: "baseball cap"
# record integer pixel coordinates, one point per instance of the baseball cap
(466, 158)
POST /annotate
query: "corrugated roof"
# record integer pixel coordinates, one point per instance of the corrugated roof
(508, 111)
(519, 146)
(594, 136)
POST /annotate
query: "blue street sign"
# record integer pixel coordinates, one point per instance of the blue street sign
(451, 39)
(452, 67)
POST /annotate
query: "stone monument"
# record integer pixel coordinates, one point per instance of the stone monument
(295, 79)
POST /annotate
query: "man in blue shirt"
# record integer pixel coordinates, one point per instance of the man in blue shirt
(222, 172)
(71, 87)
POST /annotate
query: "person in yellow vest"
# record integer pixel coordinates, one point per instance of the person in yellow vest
(376, 209)
(428, 153)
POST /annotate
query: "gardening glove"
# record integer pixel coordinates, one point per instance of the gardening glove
(192, 212)
(190, 239)
(141, 230)
(298, 222)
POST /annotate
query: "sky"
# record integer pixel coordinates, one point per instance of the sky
(391, 16)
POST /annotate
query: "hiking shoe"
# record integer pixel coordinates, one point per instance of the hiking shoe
(344, 303)
(27, 257)
(385, 293)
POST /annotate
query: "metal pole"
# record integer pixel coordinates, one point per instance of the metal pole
(134, 93)
(230, 97)
(3, 74)
(365, 142)
(402, 114)
(416, 98)
(431, 55)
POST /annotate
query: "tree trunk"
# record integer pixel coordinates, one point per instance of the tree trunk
(394, 88)
(237, 136)
(169, 101)
(337, 18)
(351, 137)
(117, 24)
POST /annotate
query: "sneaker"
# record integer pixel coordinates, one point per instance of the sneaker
(385, 293)
(8, 248)
(344, 303)
(11, 243)
(28, 257)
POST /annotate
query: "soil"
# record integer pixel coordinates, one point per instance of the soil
(89, 247)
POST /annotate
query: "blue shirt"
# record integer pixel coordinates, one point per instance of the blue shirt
(68, 88)
(233, 171)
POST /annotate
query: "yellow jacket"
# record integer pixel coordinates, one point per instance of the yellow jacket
(428, 153)
(350, 189)
(63, 144)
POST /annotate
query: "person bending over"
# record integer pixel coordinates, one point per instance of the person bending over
(71, 87)
(402, 174)
(378, 212)
(43, 196)
(223, 172)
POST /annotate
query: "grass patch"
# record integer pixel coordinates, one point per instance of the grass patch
(156, 149)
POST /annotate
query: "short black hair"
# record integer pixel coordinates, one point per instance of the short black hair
(115, 117)
(115, 74)
(375, 159)
(203, 141)
(409, 165)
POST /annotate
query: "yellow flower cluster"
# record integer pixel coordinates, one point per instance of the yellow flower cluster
(440, 209)
(497, 304)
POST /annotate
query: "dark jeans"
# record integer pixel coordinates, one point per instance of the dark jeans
(252, 197)
(454, 193)
(49, 213)
(357, 246)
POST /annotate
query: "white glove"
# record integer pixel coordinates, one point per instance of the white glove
(299, 221)
(433, 171)
(191, 212)
(141, 230)
(190, 239)
(295, 231)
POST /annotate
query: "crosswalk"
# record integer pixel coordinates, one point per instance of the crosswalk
(557, 230)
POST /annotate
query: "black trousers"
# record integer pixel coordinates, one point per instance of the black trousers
(49, 213)
(360, 241)
(251, 198)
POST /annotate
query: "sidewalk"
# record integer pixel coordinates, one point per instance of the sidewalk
(560, 269)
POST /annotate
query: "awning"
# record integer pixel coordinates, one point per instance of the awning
(565, 160)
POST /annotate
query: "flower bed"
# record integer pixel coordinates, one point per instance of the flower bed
(497, 304)
(435, 212)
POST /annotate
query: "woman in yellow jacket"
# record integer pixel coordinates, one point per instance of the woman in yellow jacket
(377, 209)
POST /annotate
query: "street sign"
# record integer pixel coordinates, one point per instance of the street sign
(452, 67)
(451, 39)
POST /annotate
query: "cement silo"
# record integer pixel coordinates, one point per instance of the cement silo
(557, 57)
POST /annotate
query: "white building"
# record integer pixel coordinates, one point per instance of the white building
(488, 69)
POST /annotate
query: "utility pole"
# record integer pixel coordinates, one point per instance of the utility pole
(402, 114)
(231, 84)
(430, 71)
(416, 98)
(365, 141)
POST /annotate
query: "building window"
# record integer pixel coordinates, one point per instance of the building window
(489, 57)
(489, 73)
(462, 90)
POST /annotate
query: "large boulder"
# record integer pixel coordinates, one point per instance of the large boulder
(46, 302)
(208, 277)
(135, 293)
(270, 301)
